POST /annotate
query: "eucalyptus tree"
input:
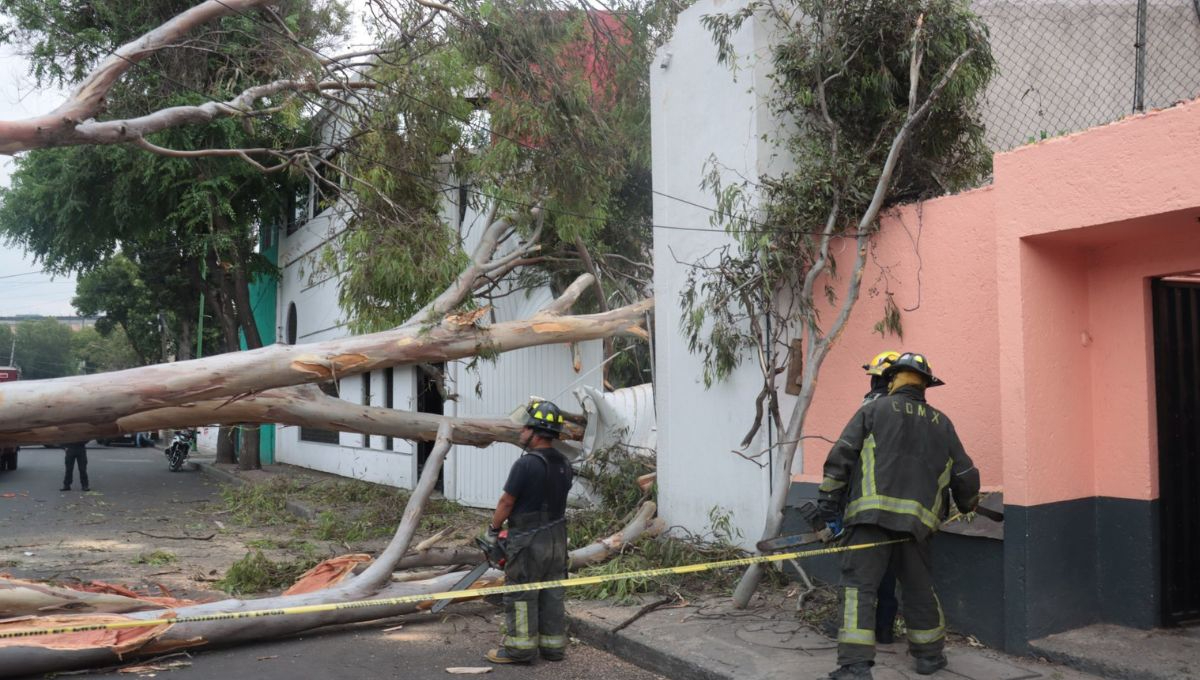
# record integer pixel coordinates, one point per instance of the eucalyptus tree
(555, 153)
(883, 98)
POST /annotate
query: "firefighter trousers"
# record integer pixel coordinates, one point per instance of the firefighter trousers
(861, 573)
(536, 620)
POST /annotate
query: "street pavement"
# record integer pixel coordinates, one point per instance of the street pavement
(96, 536)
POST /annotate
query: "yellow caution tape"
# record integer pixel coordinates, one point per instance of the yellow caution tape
(448, 595)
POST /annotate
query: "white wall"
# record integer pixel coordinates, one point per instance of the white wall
(472, 476)
(475, 476)
(701, 109)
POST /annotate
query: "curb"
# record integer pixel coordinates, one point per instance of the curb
(298, 509)
(1098, 667)
(640, 654)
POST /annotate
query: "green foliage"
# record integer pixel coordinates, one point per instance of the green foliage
(156, 558)
(256, 573)
(669, 552)
(128, 310)
(528, 101)
(841, 81)
(611, 474)
(43, 349)
(97, 353)
(74, 208)
(346, 511)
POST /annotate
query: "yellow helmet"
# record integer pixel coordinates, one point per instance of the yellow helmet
(881, 362)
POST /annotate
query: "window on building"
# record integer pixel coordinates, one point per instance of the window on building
(366, 401)
(290, 331)
(389, 394)
(316, 435)
(297, 209)
(328, 184)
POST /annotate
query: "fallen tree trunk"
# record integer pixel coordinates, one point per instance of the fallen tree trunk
(80, 650)
(70, 409)
(308, 406)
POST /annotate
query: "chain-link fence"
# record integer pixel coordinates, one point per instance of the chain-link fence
(1065, 65)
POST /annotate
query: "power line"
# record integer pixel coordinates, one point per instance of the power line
(13, 276)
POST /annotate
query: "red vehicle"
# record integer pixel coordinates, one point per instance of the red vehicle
(8, 454)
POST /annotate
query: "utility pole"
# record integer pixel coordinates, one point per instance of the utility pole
(12, 353)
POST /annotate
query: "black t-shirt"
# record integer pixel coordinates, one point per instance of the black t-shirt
(533, 482)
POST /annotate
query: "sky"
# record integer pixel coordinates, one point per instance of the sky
(23, 288)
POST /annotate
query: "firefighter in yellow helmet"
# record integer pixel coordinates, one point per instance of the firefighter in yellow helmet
(534, 504)
(875, 368)
(886, 603)
(890, 469)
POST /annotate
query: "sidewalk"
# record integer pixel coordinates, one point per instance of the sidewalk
(711, 640)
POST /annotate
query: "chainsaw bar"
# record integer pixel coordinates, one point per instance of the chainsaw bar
(784, 542)
(463, 583)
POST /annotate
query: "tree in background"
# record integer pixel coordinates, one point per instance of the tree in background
(883, 99)
(521, 103)
(188, 221)
(97, 352)
(43, 349)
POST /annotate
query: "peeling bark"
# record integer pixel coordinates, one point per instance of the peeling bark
(81, 406)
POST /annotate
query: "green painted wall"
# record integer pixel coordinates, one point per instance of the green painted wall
(264, 294)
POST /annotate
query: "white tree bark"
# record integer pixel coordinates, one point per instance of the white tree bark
(818, 344)
(69, 123)
(69, 409)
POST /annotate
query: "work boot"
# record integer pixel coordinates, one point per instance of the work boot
(854, 671)
(928, 665)
(552, 654)
(65, 488)
(501, 656)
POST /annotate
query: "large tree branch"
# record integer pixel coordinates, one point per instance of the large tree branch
(87, 100)
(74, 122)
(85, 402)
(819, 346)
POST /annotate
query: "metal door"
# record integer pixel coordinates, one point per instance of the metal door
(1177, 384)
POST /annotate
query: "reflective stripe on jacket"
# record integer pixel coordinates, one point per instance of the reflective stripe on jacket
(893, 464)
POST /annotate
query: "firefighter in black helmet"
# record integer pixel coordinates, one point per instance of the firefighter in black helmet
(890, 469)
(534, 503)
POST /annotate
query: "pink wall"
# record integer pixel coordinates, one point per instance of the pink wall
(937, 259)
(1034, 307)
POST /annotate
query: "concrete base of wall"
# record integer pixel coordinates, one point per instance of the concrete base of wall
(1061, 566)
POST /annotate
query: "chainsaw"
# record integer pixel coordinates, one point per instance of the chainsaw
(811, 515)
(493, 556)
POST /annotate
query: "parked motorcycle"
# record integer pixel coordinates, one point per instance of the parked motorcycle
(181, 445)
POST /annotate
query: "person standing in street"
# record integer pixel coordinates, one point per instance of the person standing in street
(889, 470)
(75, 453)
(534, 504)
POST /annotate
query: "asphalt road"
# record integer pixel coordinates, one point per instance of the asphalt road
(96, 536)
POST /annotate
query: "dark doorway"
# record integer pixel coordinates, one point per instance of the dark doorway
(1177, 385)
(430, 378)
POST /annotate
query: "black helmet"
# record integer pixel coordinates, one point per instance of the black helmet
(917, 363)
(544, 418)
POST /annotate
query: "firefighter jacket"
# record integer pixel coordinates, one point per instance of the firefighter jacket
(893, 464)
